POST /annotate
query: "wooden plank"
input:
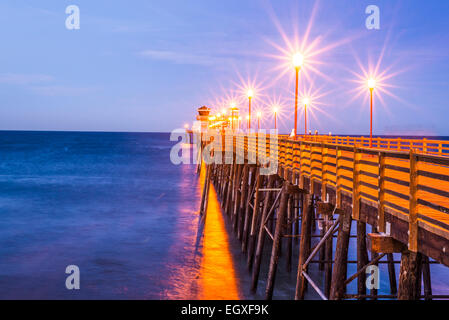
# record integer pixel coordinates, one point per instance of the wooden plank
(338, 180)
(413, 203)
(356, 185)
(381, 202)
(324, 154)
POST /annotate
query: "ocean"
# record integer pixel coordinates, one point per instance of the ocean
(114, 205)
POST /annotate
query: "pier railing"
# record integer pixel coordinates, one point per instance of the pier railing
(407, 178)
(428, 146)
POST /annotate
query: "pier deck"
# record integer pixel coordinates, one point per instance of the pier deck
(399, 186)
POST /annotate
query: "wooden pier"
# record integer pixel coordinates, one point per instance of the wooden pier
(399, 188)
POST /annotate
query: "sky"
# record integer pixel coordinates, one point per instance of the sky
(147, 65)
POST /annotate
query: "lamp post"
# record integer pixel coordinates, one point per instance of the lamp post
(248, 125)
(298, 60)
(233, 113)
(259, 114)
(306, 102)
(371, 86)
(250, 96)
(275, 110)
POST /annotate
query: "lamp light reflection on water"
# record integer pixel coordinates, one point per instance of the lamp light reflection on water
(217, 272)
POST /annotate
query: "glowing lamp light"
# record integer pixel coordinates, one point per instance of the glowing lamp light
(247, 117)
(259, 114)
(298, 60)
(233, 105)
(371, 83)
(224, 111)
(250, 93)
(186, 126)
(306, 101)
(218, 115)
(275, 109)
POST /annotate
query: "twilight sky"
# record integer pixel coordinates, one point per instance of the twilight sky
(146, 65)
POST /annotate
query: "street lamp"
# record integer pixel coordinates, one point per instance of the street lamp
(275, 110)
(259, 115)
(371, 86)
(298, 60)
(232, 108)
(306, 102)
(248, 125)
(250, 96)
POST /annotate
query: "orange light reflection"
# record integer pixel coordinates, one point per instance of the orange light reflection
(217, 272)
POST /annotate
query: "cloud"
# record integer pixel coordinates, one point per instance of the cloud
(42, 84)
(59, 90)
(24, 79)
(182, 57)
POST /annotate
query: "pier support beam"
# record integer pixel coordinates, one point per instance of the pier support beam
(277, 238)
(255, 220)
(410, 276)
(241, 206)
(304, 245)
(338, 287)
(362, 258)
(237, 195)
(326, 210)
(252, 188)
(261, 236)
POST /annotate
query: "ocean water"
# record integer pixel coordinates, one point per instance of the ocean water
(115, 206)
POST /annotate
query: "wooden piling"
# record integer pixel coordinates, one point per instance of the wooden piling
(362, 257)
(237, 196)
(230, 188)
(339, 273)
(374, 255)
(243, 200)
(277, 241)
(410, 276)
(255, 220)
(248, 208)
(304, 245)
(328, 256)
(392, 274)
(289, 231)
(426, 278)
(205, 195)
(261, 237)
